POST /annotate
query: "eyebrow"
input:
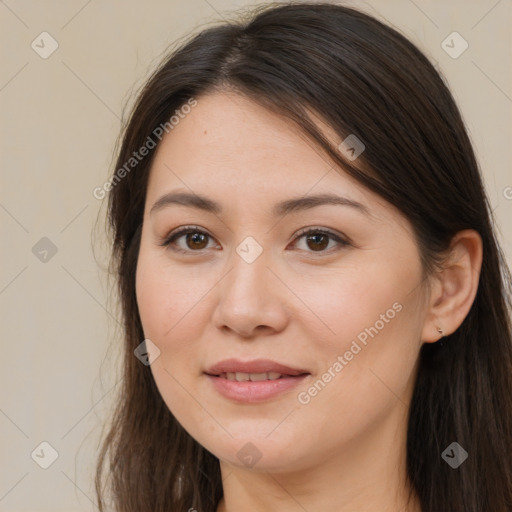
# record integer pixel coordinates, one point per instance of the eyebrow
(280, 209)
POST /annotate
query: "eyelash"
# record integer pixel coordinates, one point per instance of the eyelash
(169, 240)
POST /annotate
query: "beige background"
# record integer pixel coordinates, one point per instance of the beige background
(60, 121)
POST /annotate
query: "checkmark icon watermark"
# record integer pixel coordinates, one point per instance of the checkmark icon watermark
(44, 45)
(44, 455)
(249, 455)
(146, 352)
(352, 147)
(249, 249)
(454, 45)
(44, 250)
(454, 455)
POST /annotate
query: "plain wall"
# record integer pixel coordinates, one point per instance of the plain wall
(60, 121)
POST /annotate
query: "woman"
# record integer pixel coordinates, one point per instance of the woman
(315, 305)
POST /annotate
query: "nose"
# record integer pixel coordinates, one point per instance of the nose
(251, 299)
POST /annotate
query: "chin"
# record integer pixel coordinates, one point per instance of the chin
(260, 453)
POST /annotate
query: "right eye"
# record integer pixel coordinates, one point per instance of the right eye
(194, 238)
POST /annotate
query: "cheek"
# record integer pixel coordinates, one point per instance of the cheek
(166, 306)
(371, 325)
(171, 313)
(358, 303)
(375, 349)
(167, 297)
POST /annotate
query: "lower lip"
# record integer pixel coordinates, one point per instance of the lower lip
(258, 391)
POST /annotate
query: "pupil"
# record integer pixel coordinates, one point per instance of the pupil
(315, 240)
(196, 238)
(199, 239)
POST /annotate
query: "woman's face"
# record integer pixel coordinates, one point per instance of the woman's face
(345, 310)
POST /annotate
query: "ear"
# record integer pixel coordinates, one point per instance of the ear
(453, 289)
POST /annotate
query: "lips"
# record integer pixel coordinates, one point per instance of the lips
(253, 377)
(255, 368)
(256, 381)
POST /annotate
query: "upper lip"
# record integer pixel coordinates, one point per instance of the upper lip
(254, 366)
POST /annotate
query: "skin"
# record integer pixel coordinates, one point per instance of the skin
(299, 303)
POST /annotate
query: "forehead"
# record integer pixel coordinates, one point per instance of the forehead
(235, 136)
(232, 149)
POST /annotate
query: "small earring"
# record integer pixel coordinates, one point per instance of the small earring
(440, 331)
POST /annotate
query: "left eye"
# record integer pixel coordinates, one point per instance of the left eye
(317, 240)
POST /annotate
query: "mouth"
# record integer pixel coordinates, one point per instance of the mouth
(253, 381)
(257, 368)
(253, 377)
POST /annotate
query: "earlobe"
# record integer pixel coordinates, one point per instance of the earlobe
(455, 287)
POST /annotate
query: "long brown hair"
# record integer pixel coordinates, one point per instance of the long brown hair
(362, 77)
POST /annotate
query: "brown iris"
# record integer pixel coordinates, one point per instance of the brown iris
(199, 240)
(316, 238)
